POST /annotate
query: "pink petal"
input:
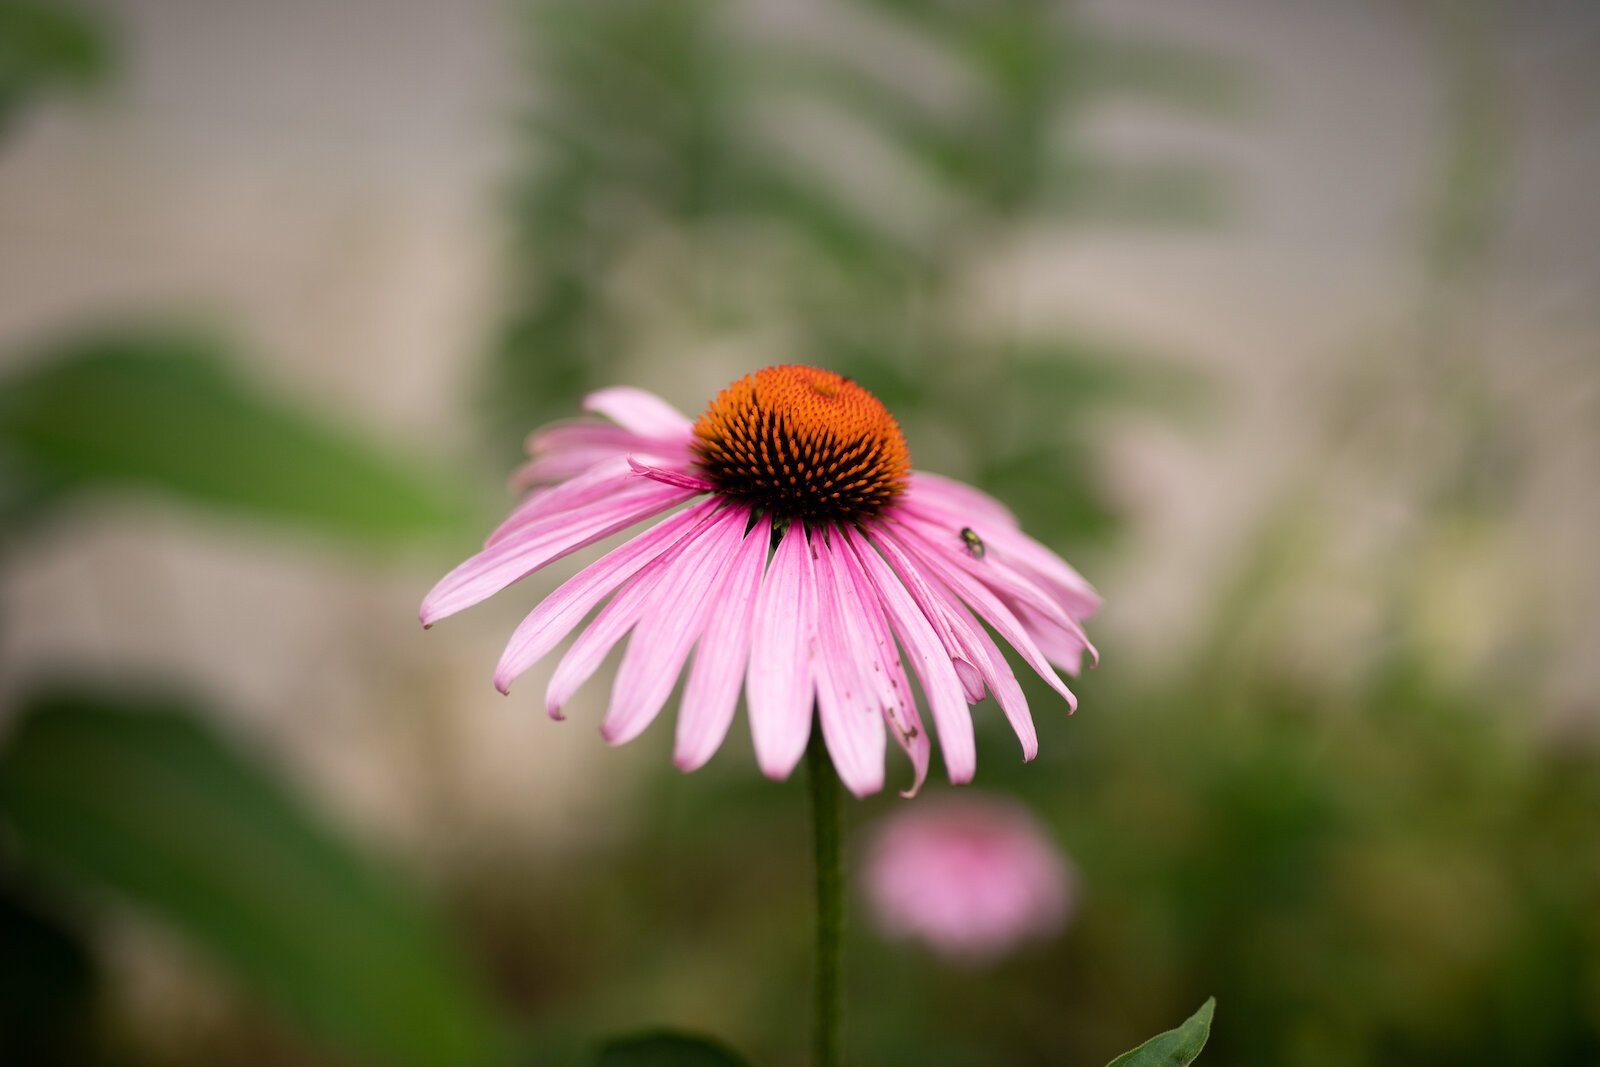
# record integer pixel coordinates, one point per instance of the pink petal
(928, 602)
(958, 498)
(598, 482)
(643, 413)
(1062, 647)
(673, 617)
(997, 674)
(847, 707)
(578, 434)
(681, 477)
(563, 609)
(885, 670)
(778, 682)
(1016, 588)
(992, 611)
(558, 467)
(567, 449)
(928, 657)
(1006, 542)
(612, 624)
(543, 542)
(712, 692)
(965, 654)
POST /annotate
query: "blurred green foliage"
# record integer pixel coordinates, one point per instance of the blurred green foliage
(47, 45)
(694, 147)
(139, 798)
(163, 411)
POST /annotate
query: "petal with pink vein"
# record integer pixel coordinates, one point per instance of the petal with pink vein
(997, 674)
(674, 615)
(643, 413)
(612, 624)
(779, 682)
(884, 669)
(558, 613)
(712, 691)
(916, 583)
(1015, 588)
(989, 608)
(847, 705)
(541, 543)
(959, 498)
(928, 658)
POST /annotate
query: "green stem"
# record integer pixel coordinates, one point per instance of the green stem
(827, 834)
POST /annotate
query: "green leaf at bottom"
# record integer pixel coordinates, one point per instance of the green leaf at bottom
(662, 1048)
(143, 800)
(1175, 1048)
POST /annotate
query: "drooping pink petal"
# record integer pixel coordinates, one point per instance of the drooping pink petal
(673, 617)
(1006, 542)
(542, 542)
(958, 498)
(568, 449)
(979, 648)
(558, 467)
(779, 681)
(681, 477)
(554, 618)
(612, 479)
(990, 609)
(1062, 647)
(927, 601)
(643, 413)
(598, 482)
(577, 434)
(712, 691)
(928, 658)
(847, 702)
(614, 622)
(885, 670)
(1017, 589)
(997, 673)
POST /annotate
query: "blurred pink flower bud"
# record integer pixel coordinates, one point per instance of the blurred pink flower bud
(971, 877)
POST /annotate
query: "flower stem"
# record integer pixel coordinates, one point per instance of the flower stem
(827, 835)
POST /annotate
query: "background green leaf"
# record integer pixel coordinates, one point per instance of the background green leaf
(1175, 1048)
(666, 1049)
(44, 46)
(142, 799)
(164, 411)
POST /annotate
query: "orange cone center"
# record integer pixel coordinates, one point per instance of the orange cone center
(803, 443)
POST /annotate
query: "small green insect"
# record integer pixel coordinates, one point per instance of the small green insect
(974, 543)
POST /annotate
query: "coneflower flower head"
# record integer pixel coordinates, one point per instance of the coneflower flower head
(810, 555)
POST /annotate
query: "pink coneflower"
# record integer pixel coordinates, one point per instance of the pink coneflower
(808, 556)
(972, 878)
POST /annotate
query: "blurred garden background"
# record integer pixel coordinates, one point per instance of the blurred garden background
(1278, 320)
